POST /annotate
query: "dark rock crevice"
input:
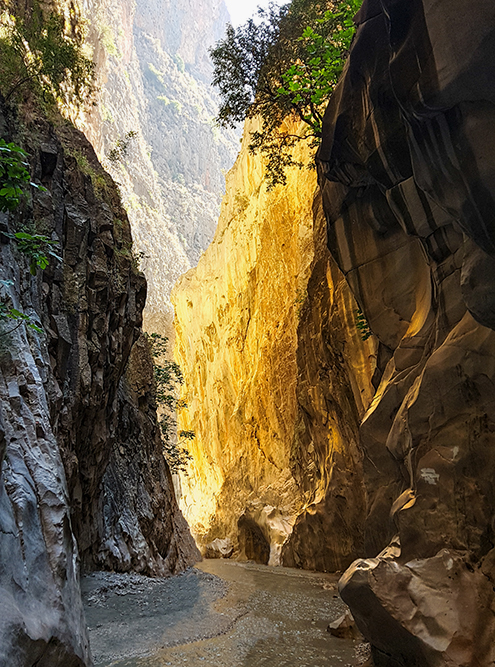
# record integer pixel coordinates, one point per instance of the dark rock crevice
(253, 545)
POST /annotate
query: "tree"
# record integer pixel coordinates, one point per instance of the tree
(168, 378)
(45, 52)
(121, 148)
(283, 64)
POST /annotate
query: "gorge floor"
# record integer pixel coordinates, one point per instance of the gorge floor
(218, 614)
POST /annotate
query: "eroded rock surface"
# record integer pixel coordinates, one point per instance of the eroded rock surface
(267, 339)
(82, 470)
(318, 445)
(433, 611)
(408, 189)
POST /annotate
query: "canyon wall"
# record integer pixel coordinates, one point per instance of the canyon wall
(154, 73)
(83, 481)
(267, 338)
(406, 170)
(313, 447)
(82, 474)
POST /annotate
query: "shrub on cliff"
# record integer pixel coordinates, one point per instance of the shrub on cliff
(44, 51)
(14, 175)
(283, 64)
(167, 378)
(14, 178)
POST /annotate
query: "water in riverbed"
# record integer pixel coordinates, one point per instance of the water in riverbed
(220, 614)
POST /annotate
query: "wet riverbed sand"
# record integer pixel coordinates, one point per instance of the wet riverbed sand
(219, 614)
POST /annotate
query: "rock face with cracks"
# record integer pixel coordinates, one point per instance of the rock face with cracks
(406, 170)
(267, 340)
(313, 447)
(82, 475)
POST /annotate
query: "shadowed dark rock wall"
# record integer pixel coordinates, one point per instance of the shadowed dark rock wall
(252, 543)
(333, 392)
(83, 475)
(408, 180)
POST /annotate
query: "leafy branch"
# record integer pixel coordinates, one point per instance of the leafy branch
(9, 313)
(121, 147)
(38, 249)
(14, 175)
(281, 65)
(167, 378)
(309, 82)
(362, 325)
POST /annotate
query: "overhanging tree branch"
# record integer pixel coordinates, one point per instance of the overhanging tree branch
(284, 63)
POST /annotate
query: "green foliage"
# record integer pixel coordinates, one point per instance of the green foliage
(240, 60)
(121, 148)
(362, 325)
(37, 247)
(7, 313)
(14, 175)
(283, 65)
(309, 82)
(167, 378)
(42, 51)
(98, 178)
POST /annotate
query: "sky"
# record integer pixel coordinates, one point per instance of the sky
(241, 10)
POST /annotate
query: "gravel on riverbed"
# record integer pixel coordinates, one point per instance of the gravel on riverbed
(218, 614)
(129, 615)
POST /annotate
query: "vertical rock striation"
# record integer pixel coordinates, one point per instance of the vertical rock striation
(82, 470)
(408, 184)
(261, 323)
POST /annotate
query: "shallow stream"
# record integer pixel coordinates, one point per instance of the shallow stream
(219, 614)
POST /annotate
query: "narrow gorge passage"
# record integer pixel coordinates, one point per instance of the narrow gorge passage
(303, 390)
(219, 614)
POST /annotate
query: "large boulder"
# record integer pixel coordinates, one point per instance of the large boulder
(435, 611)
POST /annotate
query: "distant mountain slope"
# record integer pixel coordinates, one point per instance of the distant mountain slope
(153, 64)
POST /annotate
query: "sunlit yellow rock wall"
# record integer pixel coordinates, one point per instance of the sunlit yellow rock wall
(258, 323)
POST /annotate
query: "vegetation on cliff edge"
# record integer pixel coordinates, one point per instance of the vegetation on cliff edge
(167, 378)
(283, 65)
(14, 177)
(43, 52)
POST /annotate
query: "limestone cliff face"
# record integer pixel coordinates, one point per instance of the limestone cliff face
(260, 324)
(82, 475)
(408, 184)
(154, 73)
